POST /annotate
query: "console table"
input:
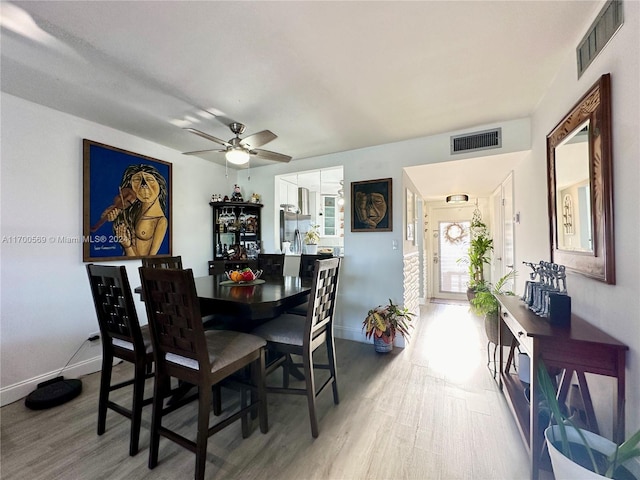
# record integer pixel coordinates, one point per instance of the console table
(580, 348)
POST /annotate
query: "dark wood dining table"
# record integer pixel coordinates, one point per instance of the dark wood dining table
(244, 306)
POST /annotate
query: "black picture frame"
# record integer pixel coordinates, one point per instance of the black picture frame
(368, 198)
(116, 182)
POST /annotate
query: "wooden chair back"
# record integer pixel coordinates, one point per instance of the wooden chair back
(175, 322)
(308, 263)
(271, 264)
(163, 262)
(115, 310)
(322, 300)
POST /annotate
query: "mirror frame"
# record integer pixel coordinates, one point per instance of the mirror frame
(595, 106)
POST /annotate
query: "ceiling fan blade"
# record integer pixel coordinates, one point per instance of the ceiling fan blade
(258, 139)
(267, 155)
(208, 137)
(198, 152)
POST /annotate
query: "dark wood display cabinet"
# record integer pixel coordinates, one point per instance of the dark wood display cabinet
(236, 236)
(573, 350)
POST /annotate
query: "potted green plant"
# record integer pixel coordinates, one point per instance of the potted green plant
(478, 255)
(383, 323)
(311, 239)
(577, 453)
(486, 304)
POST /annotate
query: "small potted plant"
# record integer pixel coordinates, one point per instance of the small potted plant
(383, 324)
(578, 453)
(311, 239)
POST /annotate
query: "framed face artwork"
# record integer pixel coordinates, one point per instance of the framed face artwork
(126, 204)
(371, 204)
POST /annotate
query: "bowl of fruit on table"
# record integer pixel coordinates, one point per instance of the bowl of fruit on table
(243, 276)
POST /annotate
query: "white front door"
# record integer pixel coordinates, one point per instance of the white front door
(449, 237)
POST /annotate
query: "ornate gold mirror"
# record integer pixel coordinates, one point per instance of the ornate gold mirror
(580, 182)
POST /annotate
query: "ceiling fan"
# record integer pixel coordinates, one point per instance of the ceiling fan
(239, 150)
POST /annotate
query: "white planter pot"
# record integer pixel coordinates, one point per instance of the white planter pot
(566, 469)
(311, 249)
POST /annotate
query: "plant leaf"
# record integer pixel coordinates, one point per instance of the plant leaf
(548, 390)
(379, 322)
(626, 451)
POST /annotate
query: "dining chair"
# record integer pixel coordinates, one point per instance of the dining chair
(123, 338)
(184, 350)
(162, 262)
(286, 335)
(271, 264)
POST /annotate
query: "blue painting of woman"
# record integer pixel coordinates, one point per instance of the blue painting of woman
(141, 224)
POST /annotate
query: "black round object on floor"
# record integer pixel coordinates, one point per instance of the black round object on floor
(53, 393)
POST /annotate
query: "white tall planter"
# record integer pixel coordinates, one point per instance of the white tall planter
(566, 469)
(311, 249)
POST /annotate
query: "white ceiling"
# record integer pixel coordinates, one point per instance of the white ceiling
(477, 178)
(323, 76)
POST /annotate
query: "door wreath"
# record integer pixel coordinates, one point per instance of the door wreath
(454, 233)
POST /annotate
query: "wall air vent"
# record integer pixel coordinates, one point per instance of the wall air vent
(601, 31)
(471, 142)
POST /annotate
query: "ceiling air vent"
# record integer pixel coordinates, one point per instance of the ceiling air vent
(603, 28)
(476, 141)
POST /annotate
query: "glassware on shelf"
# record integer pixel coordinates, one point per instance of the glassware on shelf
(220, 223)
(242, 219)
(234, 216)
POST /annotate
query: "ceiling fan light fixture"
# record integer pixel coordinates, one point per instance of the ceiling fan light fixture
(457, 198)
(237, 156)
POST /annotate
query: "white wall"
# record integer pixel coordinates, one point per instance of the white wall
(46, 307)
(613, 308)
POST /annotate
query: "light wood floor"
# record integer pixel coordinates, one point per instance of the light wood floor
(430, 411)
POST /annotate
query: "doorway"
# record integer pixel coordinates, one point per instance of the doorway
(503, 258)
(449, 241)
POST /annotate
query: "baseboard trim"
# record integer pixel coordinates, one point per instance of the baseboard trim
(349, 333)
(17, 391)
(357, 335)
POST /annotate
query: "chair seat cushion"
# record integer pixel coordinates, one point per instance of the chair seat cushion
(287, 328)
(146, 338)
(224, 346)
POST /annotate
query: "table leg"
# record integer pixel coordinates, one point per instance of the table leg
(588, 405)
(618, 400)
